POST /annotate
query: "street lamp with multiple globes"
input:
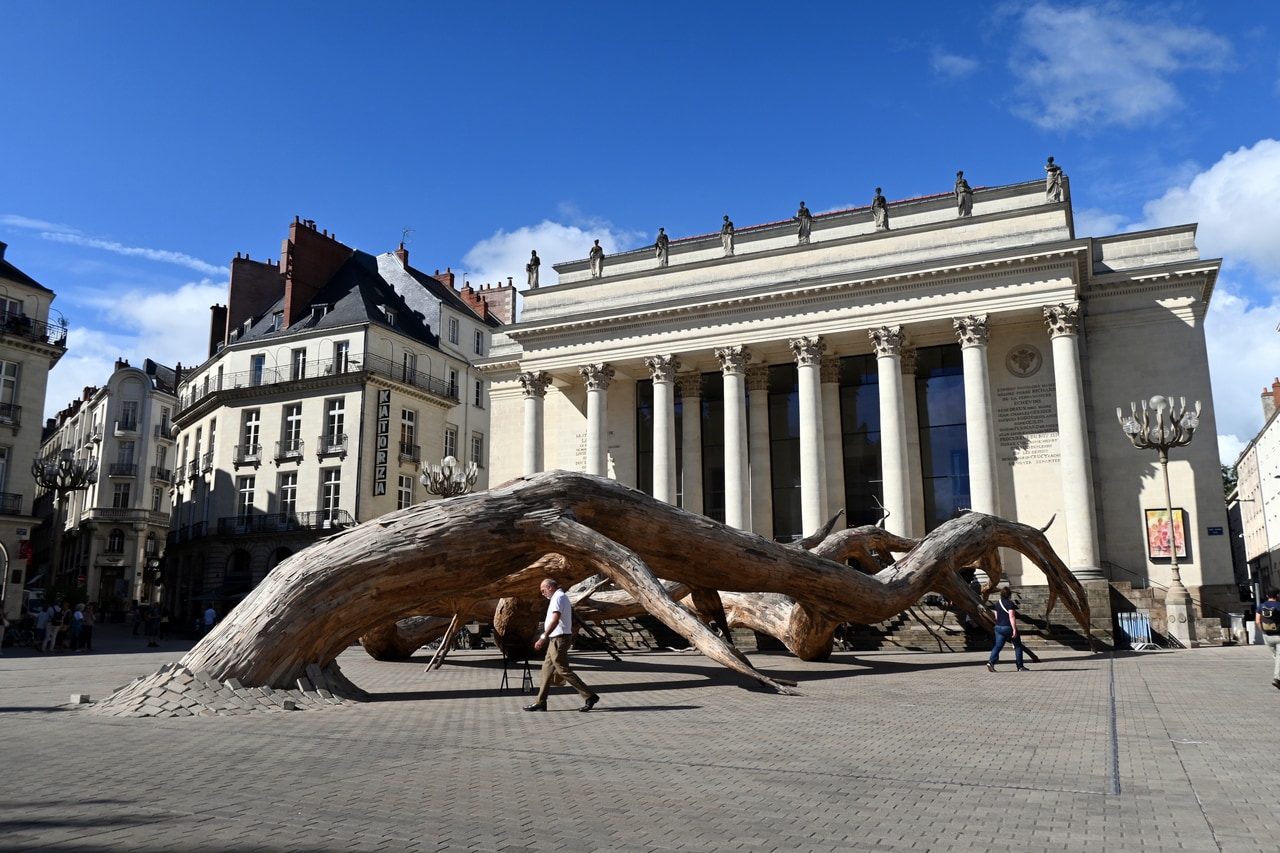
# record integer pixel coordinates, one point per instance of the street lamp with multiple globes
(62, 474)
(447, 479)
(1159, 424)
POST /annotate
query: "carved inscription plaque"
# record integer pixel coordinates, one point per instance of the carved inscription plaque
(1027, 424)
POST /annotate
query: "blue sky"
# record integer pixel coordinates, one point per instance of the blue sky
(146, 143)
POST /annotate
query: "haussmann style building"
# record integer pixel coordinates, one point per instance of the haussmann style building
(901, 361)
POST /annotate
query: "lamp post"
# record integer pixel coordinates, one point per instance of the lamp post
(447, 479)
(1158, 424)
(62, 474)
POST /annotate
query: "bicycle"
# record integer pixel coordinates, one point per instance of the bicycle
(19, 637)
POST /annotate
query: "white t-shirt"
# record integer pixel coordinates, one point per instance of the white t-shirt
(559, 603)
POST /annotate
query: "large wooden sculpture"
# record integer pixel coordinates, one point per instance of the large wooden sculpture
(444, 558)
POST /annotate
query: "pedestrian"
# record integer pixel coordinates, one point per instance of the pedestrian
(557, 634)
(136, 615)
(1268, 621)
(42, 627)
(164, 622)
(86, 631)
(210, 619)
(151, 626)
(1006, 629)
(77, 628)
(51, 628)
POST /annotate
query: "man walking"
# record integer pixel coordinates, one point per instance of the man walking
(558, 633)
(1268, 621)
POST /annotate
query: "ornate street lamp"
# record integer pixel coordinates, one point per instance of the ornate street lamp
(1159, 424)
(447, 479)
(62, 474)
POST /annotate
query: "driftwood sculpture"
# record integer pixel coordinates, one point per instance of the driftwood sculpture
(445, 557)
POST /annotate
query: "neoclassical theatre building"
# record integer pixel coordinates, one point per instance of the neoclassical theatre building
(904, 360)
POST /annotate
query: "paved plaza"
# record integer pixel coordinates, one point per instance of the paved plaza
(886, 751)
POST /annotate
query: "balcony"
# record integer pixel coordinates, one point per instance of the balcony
(332, 445)
(247, 454)
(290, 448)
(122, 469)
(22, 326)
(127, 427)
(284, 522)
(161, 475)
(206, 462)
(164, 431)
(10, 504)
(318, 371)
(410, 452)
(96, 434)
(10, 414)
(193, 469)
(116, 515)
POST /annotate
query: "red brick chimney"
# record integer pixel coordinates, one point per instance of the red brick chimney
(403, 254)
(1270, 400)
(309, 259)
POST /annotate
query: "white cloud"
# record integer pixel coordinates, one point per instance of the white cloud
(951, 65)
(162, 255)
(504, 254)
(1093, 222)
(1236, 329)
(13, 220)
(1090, 65)
(1237, 203)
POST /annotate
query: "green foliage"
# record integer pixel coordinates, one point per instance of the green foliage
(1229, 478)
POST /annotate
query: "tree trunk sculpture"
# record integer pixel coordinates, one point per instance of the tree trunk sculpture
(442, 557)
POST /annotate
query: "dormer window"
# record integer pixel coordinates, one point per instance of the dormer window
(277, 321)
(389, 313)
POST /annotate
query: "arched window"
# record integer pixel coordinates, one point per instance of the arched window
(115, 541)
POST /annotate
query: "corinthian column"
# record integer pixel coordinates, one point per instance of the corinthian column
(733, 363)
(911, 410)
(808, 352)
(758, 449)
(833, 437)
(1078, 504)
(691, 438)
(535, 389)
(973, 332)
(663, 369)
(598, 377)
(888, 341)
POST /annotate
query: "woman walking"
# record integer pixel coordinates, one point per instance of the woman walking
(1006, 629)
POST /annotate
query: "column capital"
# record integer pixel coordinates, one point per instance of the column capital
(910, 360)
(973, 330)
(830, 370)
(597, 376)
(733, 360)
(1062, 319)
(758, 377)
(535, 382)
(663, 367)
(888, 340)
(690, 385)
(808, 351)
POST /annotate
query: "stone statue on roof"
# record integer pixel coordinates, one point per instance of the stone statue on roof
(964, 196)
(596, 256)
(660, 247)
(531, 269)
(1054, 189)
(880, 211)
(805, 220)
(726, 237)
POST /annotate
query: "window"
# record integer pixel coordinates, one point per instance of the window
(289, 493)
(277, 321)
(451, 441)
(404, 493)
(410, 368)
(120, 496)
(8, 387)
(477, 397)
(453, 382)
(252, 431)
(257, 366)
(335, 421)
(10, 307)
(4, 468)
(115, 541)
(478, 345)
(330, 493)
(453, 330)
(157, 498)
(477, 449)
(129, 415)
(244, 496)
(409, 435)
(298, 364)
(124, 452)
(291, 435)
(341, 354)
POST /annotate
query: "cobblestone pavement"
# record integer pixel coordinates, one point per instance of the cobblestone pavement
(883, 752)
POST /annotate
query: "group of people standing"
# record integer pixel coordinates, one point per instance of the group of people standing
(61, 628)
